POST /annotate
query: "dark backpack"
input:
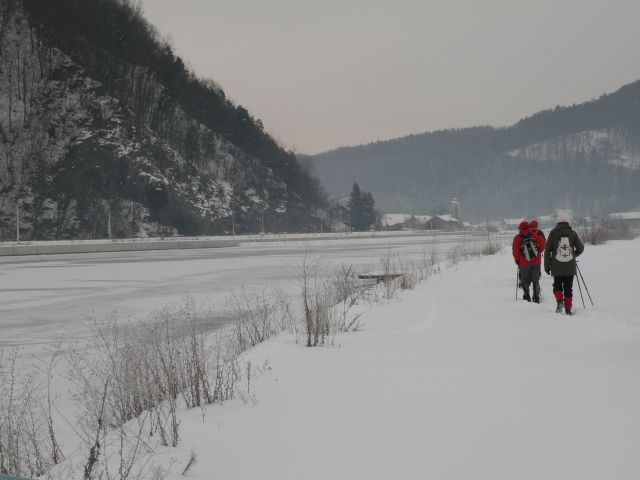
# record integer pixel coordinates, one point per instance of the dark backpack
(529, 247)
(540, 233)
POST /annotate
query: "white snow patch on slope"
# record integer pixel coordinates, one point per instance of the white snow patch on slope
(611, 143)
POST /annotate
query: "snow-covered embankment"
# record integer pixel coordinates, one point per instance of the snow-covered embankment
(454, 380)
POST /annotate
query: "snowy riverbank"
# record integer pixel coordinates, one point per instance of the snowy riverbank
(453, 380)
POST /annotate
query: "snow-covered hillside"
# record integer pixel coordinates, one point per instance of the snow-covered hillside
(614, 145)
(453, 380)
(591, 150)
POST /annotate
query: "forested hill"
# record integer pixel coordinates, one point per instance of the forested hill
(104, 129)
(585, 157)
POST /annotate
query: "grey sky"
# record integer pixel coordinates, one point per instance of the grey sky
(328, 73)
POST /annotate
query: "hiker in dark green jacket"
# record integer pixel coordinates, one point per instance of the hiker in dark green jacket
(563, 246)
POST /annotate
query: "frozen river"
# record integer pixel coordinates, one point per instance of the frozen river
(42, 297)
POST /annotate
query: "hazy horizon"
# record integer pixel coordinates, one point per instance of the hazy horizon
(322, 75)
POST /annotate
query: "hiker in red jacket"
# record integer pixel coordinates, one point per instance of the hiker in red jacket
(527, 252)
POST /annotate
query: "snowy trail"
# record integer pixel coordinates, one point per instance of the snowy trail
(455, 380)
(527, 393)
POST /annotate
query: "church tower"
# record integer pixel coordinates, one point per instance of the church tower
(455, 208)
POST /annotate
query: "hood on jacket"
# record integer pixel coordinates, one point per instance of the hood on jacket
(523, 227)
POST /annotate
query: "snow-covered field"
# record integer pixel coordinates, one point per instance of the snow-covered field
(42, 297)
(453, 380)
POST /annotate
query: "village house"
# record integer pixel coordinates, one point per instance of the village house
(339, 219)
(443, 222)
(400, 221)
(628, 218)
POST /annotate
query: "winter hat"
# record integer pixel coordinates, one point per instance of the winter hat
(533, 224)
(562, 218)
(523, 225)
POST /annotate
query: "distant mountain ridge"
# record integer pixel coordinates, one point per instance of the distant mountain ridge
(585, 157)
(104, 131)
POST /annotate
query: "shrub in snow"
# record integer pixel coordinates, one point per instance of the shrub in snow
(133, 378)
(601, 232)
(316, 301)
(256, 317)
(466, 250)
(28, 444)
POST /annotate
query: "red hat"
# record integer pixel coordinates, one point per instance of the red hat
(523, 225)
(533, 224)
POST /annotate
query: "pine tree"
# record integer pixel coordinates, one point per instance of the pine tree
(361, 209)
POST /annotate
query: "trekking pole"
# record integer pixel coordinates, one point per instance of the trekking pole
(580, 288)
(585, 284)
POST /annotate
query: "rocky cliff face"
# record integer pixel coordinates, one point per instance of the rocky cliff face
(89, 154)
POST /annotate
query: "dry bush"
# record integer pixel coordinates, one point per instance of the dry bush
(403, 273)
(224, 368)
(344, 281)
(257, 317)
(28, 444)
(601, 232)
(287, 312)
(133, 377)
(151, 361)
(416, 271)
(346, 295)
(466, 250)
(390, 268)
(316, 301)
(490, 246)
(329, 298)
(595, 234)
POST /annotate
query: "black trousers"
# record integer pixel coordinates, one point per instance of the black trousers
(563, 284)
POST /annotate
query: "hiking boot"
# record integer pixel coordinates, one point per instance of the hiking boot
(526, 297)
(568, 303)
(536, 299)
(559, 307)
(568, 311)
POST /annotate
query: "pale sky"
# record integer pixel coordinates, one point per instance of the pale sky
(328, 73)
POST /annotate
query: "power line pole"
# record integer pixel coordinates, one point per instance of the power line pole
(17, 221)
(109, 220)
